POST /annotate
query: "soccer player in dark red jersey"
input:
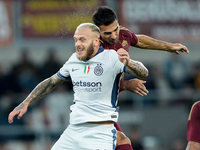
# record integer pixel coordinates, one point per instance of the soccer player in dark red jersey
(114, 37)
(193, 128)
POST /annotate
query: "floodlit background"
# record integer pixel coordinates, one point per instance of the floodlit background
(36, 40)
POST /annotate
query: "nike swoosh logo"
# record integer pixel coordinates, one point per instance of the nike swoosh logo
(74, 69)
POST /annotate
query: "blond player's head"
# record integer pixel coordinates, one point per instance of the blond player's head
(86, 39)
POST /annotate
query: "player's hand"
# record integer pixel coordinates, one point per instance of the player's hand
(123, 56)
(176, 48)
(19, 110)
(134, 85)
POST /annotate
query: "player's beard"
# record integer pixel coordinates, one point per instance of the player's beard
(89, 52)
(113, 41)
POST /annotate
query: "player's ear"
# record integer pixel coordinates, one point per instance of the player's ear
(96, 41)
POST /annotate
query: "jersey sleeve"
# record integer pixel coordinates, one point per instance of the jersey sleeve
(193, 126)
(134, 38)
(64, 73)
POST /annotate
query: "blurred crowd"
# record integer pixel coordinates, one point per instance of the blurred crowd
(51, 113)
(175, 83)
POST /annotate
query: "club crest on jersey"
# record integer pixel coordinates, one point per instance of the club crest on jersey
(124, 43)
(98, 70)
(87, 69)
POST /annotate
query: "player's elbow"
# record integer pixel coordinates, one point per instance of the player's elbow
(145, 73)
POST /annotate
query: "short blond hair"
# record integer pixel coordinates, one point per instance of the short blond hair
(91, 26)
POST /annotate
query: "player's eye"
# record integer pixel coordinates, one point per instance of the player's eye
(116, 28)
(107, 33)
(82, 40)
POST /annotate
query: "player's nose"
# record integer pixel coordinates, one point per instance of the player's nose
(114, 35)
(77, 43)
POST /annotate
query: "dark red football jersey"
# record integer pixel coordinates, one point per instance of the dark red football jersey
(126, 39)
(193, 126)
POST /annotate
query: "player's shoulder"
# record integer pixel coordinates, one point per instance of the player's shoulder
(110, 52)
(72, 57)
(195, 109)
(196, 104)
(124, 30)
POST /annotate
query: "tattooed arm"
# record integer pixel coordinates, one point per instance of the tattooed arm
(41, 90)
(193, 146)
(135, 68)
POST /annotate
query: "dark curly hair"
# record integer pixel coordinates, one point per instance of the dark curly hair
(104, 15)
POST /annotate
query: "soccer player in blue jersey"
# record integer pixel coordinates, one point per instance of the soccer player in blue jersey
(95, 74)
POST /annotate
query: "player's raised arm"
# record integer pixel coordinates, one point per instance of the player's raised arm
(41, 90)
(147, 42)
(135, 68)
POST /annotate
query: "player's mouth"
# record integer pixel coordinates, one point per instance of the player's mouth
(79, 50)
(113, 41)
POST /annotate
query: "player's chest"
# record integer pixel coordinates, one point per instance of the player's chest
(89, 70)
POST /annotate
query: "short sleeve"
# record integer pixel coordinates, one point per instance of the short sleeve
(134, 38)
(193, 131)
(63, 73)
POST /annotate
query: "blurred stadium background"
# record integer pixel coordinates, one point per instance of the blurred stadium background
(36, 39)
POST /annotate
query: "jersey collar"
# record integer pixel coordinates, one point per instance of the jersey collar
(100, 50)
